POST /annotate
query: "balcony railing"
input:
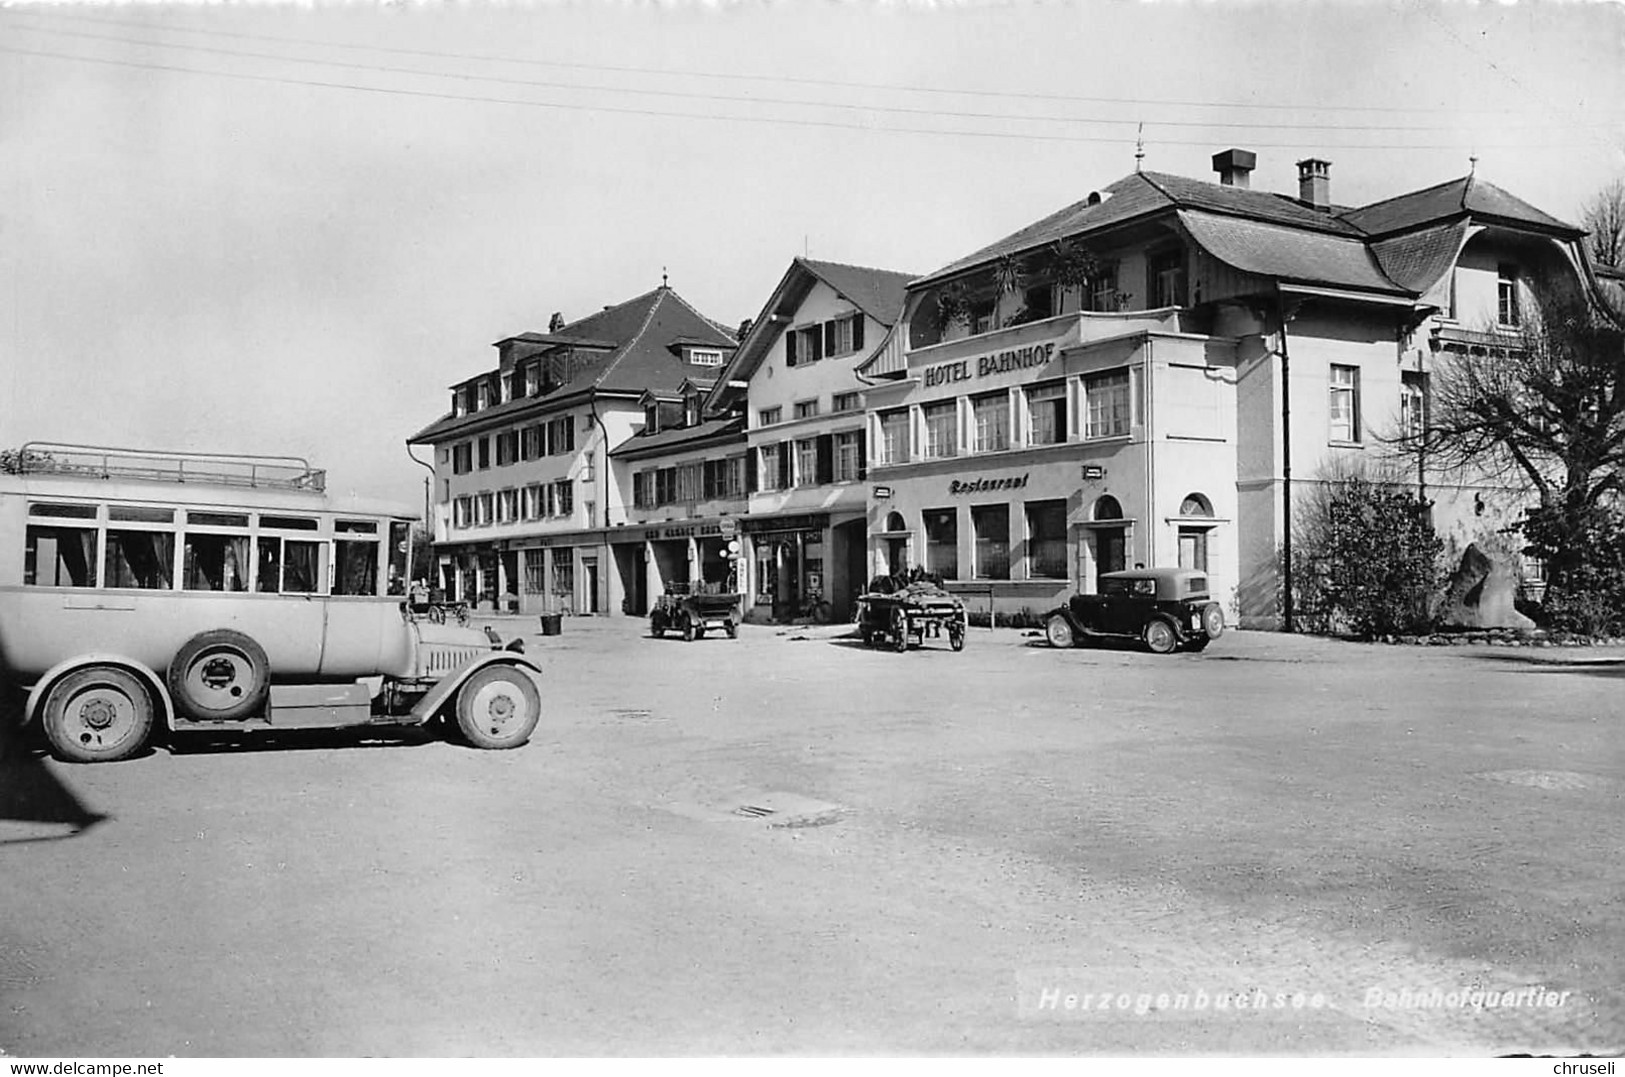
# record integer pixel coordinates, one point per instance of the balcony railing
(218, 469)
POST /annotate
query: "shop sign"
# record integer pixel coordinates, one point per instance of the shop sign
(981, 366)
(983, 486)
(807, 522)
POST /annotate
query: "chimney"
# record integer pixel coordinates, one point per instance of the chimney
(1315, 182)
(1235, 167)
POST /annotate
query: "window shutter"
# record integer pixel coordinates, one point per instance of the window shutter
(790, 347)
(750, 472)
(863, 455)
(829, 338)
(857, 332)
(817, 347)
(826, 458)
(787, 451)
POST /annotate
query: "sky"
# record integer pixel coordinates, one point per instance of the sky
(288, 229)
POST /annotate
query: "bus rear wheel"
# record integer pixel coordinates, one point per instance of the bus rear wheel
(220, 676)
(498, 707)
(97, 715)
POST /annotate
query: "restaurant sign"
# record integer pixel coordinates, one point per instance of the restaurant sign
(980, 366)
(983, 486)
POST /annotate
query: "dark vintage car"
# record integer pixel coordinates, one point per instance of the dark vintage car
(1166, 608)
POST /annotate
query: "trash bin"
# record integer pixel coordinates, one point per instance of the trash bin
(552, 624)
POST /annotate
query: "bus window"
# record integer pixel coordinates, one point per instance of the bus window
(60, 556)
(397, 556)
(216, 562)
(291, 566)
(357, 568)
(143, 559)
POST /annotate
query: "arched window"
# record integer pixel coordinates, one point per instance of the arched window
(894, 522)
(1195, 505)
(1108, 508)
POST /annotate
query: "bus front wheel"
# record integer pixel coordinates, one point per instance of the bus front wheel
(97, 715)
(498, 707)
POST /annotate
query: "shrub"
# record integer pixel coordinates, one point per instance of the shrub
(1366, 560)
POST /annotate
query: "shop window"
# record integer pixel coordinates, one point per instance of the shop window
(991, 413)
(1106, 403)
(1046, 413)
(1046, 540)
(941, 429)
(942, 542)
(1344, 405)
(893, 437)
(564, 578)
(991, 526)
(535, 571)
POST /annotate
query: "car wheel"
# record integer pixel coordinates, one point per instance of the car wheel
(956, 636)
(1058, 630)
(97, 715)
(732, 629)
(498, 707)
(1160, 636)
(900, 632)
(1213, 620)
(220, 676)
(689, 632)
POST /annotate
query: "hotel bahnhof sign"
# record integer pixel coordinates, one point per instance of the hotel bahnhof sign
(1025, 357)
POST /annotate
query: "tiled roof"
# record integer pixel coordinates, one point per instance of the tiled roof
(642, 329)
(879, 293)
(1416, 260)
(1464, 197)
(674, 439)
(876, 292)
(1289, 254)
(1143, 193)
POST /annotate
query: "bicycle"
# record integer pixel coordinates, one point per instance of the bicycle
(458, 611)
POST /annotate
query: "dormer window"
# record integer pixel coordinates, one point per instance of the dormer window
(533, 378)
(1508, 313)
(705, 356)
(457, 408)
(651, 418)
(482, 397)
(691, 410)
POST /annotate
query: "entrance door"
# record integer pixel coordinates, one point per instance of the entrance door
(592, 585)
(1111, 551)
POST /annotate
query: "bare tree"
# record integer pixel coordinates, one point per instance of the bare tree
(1548, 408)
(1604, 218)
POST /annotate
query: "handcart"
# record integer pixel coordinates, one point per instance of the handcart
(900, 612)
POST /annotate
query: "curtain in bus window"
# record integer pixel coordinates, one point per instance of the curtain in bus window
(270, 565)
(358, 568)
(141, 559)
(216, 563)
(301, 566)
(60, 557)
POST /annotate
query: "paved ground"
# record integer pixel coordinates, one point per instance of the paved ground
(952, 846)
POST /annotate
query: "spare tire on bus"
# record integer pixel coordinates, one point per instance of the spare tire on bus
(219, 676)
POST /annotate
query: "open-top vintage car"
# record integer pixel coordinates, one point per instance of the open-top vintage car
(692, 609)
(1166, 608)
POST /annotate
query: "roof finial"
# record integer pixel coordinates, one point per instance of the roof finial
(663, 276)
(1472, 164)
(1139, 146)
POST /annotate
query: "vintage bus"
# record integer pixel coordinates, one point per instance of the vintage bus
(213, 592)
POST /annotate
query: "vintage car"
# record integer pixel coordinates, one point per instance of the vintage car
(1167, 608)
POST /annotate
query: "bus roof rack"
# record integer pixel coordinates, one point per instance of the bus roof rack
(220, 469)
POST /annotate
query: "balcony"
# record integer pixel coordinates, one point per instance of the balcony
(1053, 334)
